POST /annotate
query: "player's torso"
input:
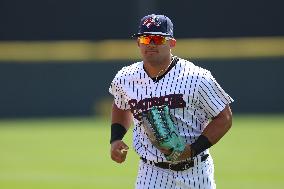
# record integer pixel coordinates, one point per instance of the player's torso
(178, 89)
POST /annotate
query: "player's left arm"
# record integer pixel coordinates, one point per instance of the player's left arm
(213, 132)
(219, 126)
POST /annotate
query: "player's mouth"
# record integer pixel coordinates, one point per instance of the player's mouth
(151, 51)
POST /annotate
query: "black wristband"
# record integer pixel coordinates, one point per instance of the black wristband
(117, 132)
(201, 144)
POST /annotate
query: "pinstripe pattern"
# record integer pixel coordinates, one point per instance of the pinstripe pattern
(193, 96)
(197, 177)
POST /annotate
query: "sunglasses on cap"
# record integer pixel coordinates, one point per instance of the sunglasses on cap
(157, 39)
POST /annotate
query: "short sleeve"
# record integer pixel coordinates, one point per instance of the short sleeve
(212, 98)
(116, 89)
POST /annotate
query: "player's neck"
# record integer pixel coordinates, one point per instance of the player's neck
(157, 68)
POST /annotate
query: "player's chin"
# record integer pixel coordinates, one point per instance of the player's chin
(151, 55)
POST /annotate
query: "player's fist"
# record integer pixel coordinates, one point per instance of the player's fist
(118, 151)
(184, 155)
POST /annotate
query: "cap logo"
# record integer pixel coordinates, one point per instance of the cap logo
(152, 21)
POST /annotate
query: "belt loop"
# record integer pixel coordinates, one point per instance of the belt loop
(197, 160)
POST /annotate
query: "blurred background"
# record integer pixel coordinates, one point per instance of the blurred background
(58, 57)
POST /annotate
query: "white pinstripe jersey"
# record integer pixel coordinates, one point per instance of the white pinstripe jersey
(191, 92)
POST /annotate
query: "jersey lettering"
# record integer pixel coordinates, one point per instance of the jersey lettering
(172, 100)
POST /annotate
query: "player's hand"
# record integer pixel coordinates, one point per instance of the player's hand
(185, 155)
(165, 151)
(118, 151)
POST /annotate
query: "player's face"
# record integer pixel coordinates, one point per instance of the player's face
(154, 47)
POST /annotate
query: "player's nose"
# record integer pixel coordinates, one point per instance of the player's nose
(152, 42)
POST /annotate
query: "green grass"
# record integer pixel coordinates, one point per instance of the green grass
(74, 154)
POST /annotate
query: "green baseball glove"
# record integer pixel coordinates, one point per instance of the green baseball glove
(162, 132)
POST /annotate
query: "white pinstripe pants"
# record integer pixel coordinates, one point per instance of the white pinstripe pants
(201, 176)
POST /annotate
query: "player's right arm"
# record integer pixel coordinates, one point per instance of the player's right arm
(121, 121)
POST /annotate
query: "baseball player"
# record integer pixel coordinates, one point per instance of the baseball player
(197, 104)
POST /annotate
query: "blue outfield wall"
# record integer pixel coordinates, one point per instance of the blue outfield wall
(76, 88)
(87, 19)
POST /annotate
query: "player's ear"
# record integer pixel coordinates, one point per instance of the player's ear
(172, 42)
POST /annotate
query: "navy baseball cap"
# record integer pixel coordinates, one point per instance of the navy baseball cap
(155, 25)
